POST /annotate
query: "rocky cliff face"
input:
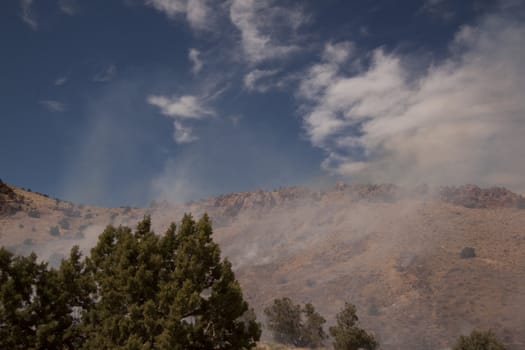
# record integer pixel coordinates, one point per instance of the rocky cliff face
(394, 252)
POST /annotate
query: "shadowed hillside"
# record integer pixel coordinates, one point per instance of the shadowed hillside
(395, 253)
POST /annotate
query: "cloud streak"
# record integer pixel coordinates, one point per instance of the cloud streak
(267, 31)
(53, 106)
(106, 74)
(460, 121)
(197, 12)
(28, 15)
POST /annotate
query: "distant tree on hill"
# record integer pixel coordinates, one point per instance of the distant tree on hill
(136, 290)
(293, 325)
(346, 333)
(478, 340)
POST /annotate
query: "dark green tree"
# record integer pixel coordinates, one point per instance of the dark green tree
(169, 292)
(313, 332)
(284, 320)
(346, 333)
(295, 325)
(136, 290)
(40, 307)
(478, 340)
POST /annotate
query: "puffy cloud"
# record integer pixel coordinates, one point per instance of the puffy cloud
(189, 107)
(194, 57)
(197, 12)
(181, 108)
(462, 120)
(267, 31)
(53, 106)
(28, 15)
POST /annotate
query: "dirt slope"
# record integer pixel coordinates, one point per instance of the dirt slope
(394, 253)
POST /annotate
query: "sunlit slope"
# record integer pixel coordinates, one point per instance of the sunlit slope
(394, 253)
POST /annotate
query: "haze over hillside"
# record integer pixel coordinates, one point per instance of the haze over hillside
(393, 252)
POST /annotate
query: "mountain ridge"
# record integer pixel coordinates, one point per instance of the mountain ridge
(394, 252)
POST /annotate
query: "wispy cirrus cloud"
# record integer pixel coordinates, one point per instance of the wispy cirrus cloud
(68, 7)
(62, 80)
(196, 61)
(267, 31)
(461, 120)
(28, 15)
(256, 80)
(53, 106)
(106, 74)
(198, 13)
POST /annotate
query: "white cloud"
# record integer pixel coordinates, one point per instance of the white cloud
(61, 81)
(185, 107)
(194, 57)
(181, 108)
(68, 7)
(183, 133)
(267, 31)
(27, 14)
(462, 120)
(106, 74)
(197, 12)
(252, 80)
(53, 106)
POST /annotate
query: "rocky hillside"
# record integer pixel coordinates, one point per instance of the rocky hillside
(396, 253)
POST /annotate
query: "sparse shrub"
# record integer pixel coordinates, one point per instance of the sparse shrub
(54, 231)
(467, 253)
(28, 241)
(310, 283)
(72, 213)
(373, 310)
(33, 213)
(346, 333)
(520, 203)
(64, 224)
(20, 226)
(479, 341)
(88, 216)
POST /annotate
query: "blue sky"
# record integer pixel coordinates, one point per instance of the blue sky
(119, 102)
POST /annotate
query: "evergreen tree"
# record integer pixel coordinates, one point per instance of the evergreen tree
(284, 320)
(347, 335)
(293, 325)
(313, 332)
(39, 307)
(136, 290)
(479, 341)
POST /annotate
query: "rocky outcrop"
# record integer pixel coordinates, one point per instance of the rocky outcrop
(10, 202)
(471, 196)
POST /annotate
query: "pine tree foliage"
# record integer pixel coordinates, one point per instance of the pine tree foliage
(347, 335)
(136, 290)
(293, 325)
